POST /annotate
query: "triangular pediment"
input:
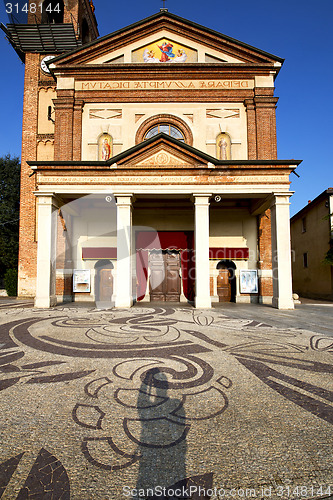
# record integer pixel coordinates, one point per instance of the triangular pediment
(163, 156)
(162, 151)
(165, 38)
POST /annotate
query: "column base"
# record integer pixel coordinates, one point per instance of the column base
(107, 304)
(281, 303)
(202, 303)
(64, 298)
(123, 302)
(265, 299)
(45, 302)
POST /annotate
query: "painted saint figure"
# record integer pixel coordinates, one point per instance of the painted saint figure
(223, 145)
(106, 150)
(166, 49)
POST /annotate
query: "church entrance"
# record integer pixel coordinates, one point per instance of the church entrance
(165, 279)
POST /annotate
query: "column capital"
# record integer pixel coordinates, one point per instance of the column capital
(265, 101)
(201, 198)
(78, 104)
(124, 199)
(280, 199)
(249, 104)
(46, 198)
(63, 103)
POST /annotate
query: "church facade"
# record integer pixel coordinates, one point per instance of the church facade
(150, 170)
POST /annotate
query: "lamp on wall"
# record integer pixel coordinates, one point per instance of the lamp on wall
(49, 113)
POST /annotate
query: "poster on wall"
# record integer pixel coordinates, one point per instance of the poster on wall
(248, 281)
(81, 280)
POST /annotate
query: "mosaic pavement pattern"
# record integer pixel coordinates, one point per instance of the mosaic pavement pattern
(161, 402)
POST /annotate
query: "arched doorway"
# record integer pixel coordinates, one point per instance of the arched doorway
(226, 281)
(103, 280)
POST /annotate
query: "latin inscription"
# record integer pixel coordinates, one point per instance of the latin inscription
(159, 179)
(165, 85)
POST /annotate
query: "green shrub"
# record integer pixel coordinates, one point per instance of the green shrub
(11, 282)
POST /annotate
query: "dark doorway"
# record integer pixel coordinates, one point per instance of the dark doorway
(226, 281)
(165, 280)
(103, 281)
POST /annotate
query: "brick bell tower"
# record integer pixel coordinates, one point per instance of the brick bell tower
(49, 29)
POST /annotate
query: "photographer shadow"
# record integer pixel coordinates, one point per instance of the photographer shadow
(162, 440)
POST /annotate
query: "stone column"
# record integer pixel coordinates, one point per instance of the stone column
(201, 237)
(46, 250)
(124, 296)
(281, 253)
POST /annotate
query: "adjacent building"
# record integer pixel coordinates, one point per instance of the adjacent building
(311, 241)
(149, 164)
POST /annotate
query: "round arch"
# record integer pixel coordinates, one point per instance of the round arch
(165, 118)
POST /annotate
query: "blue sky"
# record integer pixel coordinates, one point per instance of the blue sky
(297, 30)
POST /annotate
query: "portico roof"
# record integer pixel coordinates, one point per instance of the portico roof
(188, 157)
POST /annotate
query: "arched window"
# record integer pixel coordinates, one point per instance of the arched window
(104, 147)
(169, 124)
(166, 128)
(53, 12)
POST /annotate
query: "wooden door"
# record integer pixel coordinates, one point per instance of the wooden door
(224, 286)
(172, 276)
(157, 276)
(105, 285)
(164, 281)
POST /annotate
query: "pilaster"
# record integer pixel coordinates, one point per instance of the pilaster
(63, 130)
(266, 127)
(251, 129)
(77, 129)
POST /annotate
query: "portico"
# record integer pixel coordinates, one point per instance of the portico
(196, 218)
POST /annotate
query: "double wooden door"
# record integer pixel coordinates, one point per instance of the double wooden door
(165, 280)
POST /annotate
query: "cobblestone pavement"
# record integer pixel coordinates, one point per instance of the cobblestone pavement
(104, 405)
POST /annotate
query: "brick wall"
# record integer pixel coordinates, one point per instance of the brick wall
(265, 253)
(28, 245)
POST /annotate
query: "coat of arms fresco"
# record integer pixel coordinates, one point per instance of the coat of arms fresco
(164, 51)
